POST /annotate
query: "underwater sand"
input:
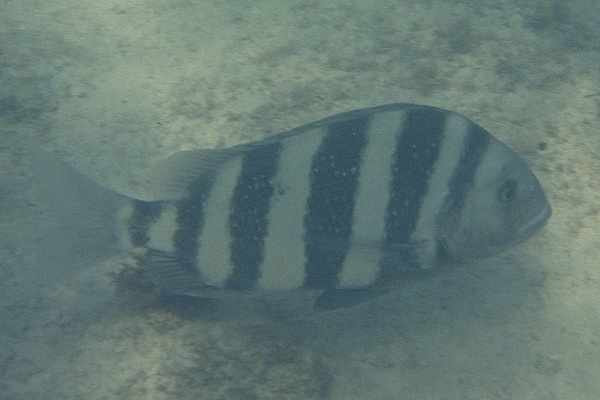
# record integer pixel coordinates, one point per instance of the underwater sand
(115, 86)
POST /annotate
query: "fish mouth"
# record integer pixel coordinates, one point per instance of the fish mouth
(535, 224)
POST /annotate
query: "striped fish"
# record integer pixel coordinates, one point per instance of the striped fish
(343, 206)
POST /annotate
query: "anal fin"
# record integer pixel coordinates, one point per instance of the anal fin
(166, 272)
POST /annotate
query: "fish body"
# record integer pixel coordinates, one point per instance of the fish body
(343, 206)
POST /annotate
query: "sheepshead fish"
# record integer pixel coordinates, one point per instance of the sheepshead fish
(342, 207)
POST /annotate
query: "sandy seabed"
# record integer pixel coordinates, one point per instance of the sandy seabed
(115, 86)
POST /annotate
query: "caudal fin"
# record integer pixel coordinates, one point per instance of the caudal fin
(80, 223)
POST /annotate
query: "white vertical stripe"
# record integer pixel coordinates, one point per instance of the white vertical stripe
(161, 232)
(214, 241)
(368, 229)
(451, 150)
(283, 265)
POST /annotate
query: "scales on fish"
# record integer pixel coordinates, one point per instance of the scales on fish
(342, 207)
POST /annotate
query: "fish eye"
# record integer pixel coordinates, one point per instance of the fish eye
(507, 191)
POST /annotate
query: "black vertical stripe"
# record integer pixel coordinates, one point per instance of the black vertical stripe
(190, 220)
(333, 183)
(248, 218)
(144, 214)
(417, 148)
(463, 179)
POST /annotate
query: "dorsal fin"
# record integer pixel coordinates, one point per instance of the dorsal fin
(172, 177)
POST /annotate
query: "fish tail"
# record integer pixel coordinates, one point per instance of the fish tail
(79, 219)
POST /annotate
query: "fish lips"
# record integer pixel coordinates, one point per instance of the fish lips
(534, 225)
(525, 231)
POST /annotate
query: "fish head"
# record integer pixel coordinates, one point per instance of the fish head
(504, 206)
